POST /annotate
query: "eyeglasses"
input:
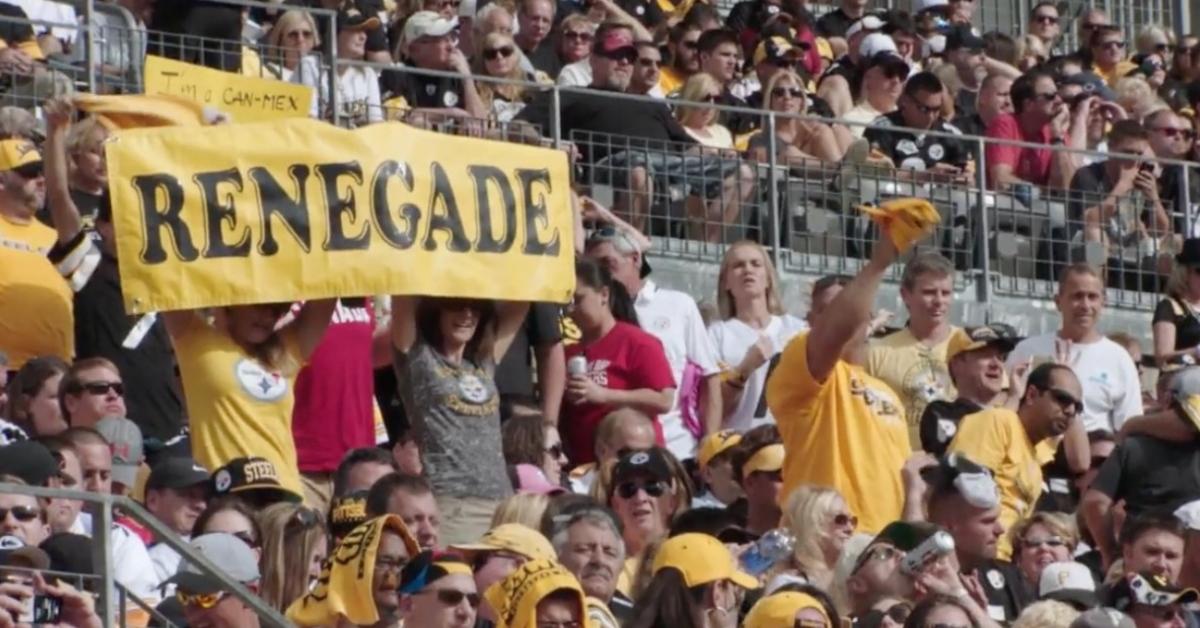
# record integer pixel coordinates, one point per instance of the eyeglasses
(649, 63)
(1052, 541)
(1042, 18)
(781, 92)
(496, 53)
(454, 597)
(390, 563)
(1066, 400)
(882, 553)
(555, 451)
(102, 388)
(202, 600)
(20, 513)
(1172, 132)
(931, 110)
(654, 489)
(843, 520)
(1112, 45)
(578, 35)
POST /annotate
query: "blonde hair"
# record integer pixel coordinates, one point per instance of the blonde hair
(488, 91)
(806, 515)
(1150, 35)
(780, 76)
(1135, 95)
(523, 508)
(726, 306)
(1031, 45)
(88, 134)
(289, 534)
(695, 90)
(1057, 524)
(1178, 282)
(1046, 614)
(288, 20)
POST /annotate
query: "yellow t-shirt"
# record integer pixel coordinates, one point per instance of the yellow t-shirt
(36, 304)
(996, 439)
(1118, 72)
(915, 371)
(670, 80)
(847, 432)
(236, 407)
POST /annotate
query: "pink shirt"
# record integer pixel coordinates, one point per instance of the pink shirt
(1029, 164)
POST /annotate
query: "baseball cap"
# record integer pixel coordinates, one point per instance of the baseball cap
(21, 156)
(1184, 389)
(769, 458)
(125, 439)
(427, 24)
(531, 479)
(869, 22)
(716, 443)
(176, 472)
(974, 482)
(1069, 582)
(28, 460)
(902, 535)
(428, 567)
(876, 43)
(1149, 589)
(511, 537)
(780, 610)
(352, 19)
(1091, 84)
(615, 42)
(774, 49)
(963, 37)
(892, 63)
(252, 475)
(70, 553)
(347, 512)
(230, 553)
(920, 6)
(701, 559)
(1189, 515)
(1103, 618)
(651, 462)
(15, 553)
(962, 340)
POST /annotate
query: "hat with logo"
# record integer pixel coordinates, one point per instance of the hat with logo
(715, 444)
(1069, 582)
(1148, 589)
(224, 550)
(614, 43)
(1103, 618)
(350, 18)
(779, 610)
(252, 476)
(15, 553)
(766, 459)
(869, 22)
(1185, 391)
(972, 481)
(176, 472)
(515, 598)
(650, 462)
(70, 553)
(347, 512)
(1092, 84)
(531, 479)
(28, 460)
(428, 567)
(701, 559)
(510, 537)
(427, 24)
(1189, 515)
(125, 439)
(775, 49)
(21, 156)
(999, 335)
(961, 37)
(920, 6)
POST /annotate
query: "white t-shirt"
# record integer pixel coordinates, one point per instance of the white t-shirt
(578, 74)
(1112, 392)
(132, 567)
(673, 318)
(731, 339)
(166, 562)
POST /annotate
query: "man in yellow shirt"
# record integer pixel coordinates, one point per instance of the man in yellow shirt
(685, 58)
(1109, 52)
(913, 360)
(1015, 445)
(841, 427)
(36, 316)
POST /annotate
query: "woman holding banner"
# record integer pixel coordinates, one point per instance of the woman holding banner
(446, 355)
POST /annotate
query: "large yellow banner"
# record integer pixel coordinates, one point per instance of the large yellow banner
(246, 98)
(299, 209)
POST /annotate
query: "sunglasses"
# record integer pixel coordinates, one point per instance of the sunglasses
(496, 53)
(1046, 19)
(843, 520)
(20, 513)
(578, 35)
(649, 63)
(781, 92)
(654, 489)
(926, 109)
(1173, 132)
(202, 600)
(1112, 45)
(102, 388)
(1047, 97)
(1053, 541)
(454, 597)
(304, 518)
(712, 98)
(31, 171)
(1066, 400)
(881, 553)
(555, 451)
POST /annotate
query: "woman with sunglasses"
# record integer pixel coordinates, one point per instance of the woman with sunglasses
(499, 58)
(1041, 539)
(941, 611)
(445, 355)
(696, 584)
(821, 522)
(646, 490)
(231, 515)
(801, 144)
(529, 440)
(33, 397)
(1176, 324)
(574, 47)
(701, 122)
(290, 43)
(295, 543)
(238, 370)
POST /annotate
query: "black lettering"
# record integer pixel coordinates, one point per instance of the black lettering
(449, 221)
(217, 214)
(408, 212)
(337, 205)
(487, 242)
(155, 218)
(535, 213)
(293, 212)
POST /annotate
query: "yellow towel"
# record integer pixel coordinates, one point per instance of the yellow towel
(515, 599)
(141, 110)
(905, 220)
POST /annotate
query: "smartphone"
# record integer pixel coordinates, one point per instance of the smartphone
(41, 609)
(1146, 167)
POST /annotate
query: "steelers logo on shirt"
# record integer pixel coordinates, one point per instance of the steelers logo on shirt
(450, 99)
(472, 389)
(258, 382)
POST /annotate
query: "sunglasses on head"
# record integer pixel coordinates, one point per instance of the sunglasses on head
(627, 490)
(201, 600)
(304, 34)
(454, 597)
(20, 513)
(495, 53)
(1065, 399)
(102, 388)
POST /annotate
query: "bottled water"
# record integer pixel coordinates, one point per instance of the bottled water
(770, 548)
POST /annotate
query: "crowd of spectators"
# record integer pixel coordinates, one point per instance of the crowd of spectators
(629, 459)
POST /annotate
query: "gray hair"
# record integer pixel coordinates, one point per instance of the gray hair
(486, 12)
(592, 516)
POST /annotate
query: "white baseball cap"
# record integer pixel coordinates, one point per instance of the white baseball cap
(1068, 582)
(868, 22)
(876, 43)
(1189, 515)
(924, 5)
(427, 24)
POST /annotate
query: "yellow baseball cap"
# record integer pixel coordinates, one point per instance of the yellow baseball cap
(779, 610)
(972, 338)
(20, 155)
(769, 458)
(701, 559)
(716, 443)
(515, 599)
(774, 48)
(511, 537)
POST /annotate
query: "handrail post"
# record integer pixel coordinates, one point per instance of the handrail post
(102, 523)
(1187, 201)
(556, 116)
(333, 75)
(773, 190)
(89, 13)
(983, 287)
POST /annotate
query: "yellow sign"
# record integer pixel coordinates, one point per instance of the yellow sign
(246, 98)
(299, 209)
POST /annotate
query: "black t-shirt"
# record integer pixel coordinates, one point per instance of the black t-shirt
(642, 125)
(737, 122)
(834, 24)
(846, 69)
(1185, 319)
(939, 423)
(421, 90)
(911, 151)
(513, 375)
(970, 124)
(965, 102)
(1004, 589)
(545, 57)
(1170, 190)
(645, 11)
(1151, 474)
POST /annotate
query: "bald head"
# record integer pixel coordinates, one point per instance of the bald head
(623, 429)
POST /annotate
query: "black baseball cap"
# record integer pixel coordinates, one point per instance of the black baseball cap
(652, 462)
(176, 472)
(963, 37)
(30, 461)
(894, 64)
(253, 477)
(69, 553)
(973, 481)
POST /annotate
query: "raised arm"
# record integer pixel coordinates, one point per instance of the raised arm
(311, 323)
(511, 316)
(404, 322)
(63, 211)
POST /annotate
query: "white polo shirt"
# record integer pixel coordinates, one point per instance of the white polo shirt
(673, 318)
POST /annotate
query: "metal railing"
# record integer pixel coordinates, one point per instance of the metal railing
(109, 605)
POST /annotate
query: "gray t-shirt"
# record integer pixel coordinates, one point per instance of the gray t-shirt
(455, 413)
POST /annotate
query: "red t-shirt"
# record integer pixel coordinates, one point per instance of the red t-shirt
(626, 358)
(1029, 164)
(335, 392)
